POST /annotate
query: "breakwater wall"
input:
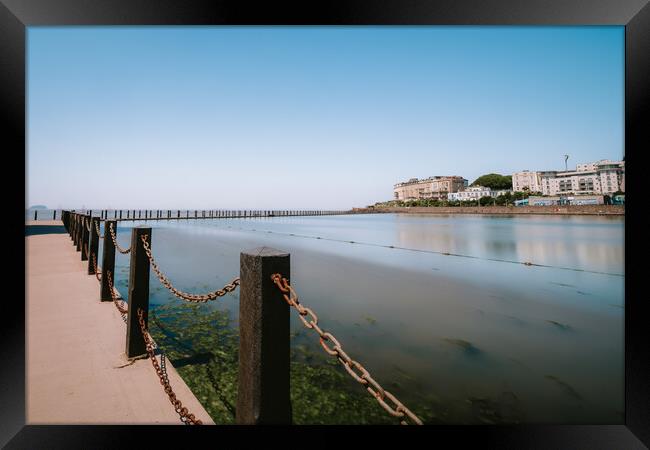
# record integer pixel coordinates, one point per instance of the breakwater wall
(618, 210)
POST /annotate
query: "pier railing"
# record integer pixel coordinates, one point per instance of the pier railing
(176, 214)
(266, 297)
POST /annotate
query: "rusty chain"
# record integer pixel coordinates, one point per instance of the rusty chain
(184, 295)
(117, 246)
(97, 230)
(120, 307)
(97, 275)
(363, 376)
(87, 221)
(185, 416)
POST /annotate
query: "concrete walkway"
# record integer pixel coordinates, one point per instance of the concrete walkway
(74, 344)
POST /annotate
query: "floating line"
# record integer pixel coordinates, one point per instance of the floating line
(429, 251)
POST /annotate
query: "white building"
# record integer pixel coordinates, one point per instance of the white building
(500, 192)
(531, 180)
(470, 193)
(476, 192)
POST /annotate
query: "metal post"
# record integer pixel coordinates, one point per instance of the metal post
(94, 245)
(108, 262)
(85, 221)
(54, 216)
(138, 292)
(75, 228)
(78, 232)
(35, 214)
(263, 385)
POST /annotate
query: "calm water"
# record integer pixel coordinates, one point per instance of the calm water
(539, 344)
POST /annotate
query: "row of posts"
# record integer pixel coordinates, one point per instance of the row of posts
(263, 395)
(159, 214)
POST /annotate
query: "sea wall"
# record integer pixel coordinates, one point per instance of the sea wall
(567, 209)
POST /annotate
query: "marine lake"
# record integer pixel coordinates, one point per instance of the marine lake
(474, 336)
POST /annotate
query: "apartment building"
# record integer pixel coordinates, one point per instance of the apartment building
(600, 177)
(436, 187)
(527, 179)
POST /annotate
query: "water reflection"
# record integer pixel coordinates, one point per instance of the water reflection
(593, 243)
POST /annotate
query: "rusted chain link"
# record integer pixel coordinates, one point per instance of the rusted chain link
(120, 307)
(88, 225)
(97, 275)
(363, 376)
(196, 298)
(186, 417)
(117, 246)
(97, 230)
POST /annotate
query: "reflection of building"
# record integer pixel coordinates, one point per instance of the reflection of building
(526, 179)
(433, 187)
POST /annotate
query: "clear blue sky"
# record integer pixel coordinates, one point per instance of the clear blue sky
(308, 117)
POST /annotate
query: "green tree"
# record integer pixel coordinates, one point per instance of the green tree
(486, 200)
(494, 181)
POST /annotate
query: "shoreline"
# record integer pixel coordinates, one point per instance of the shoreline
(594, 210)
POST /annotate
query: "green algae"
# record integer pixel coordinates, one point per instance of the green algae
(566, 387)
(467, 347)
(561, 326)
(203, 347)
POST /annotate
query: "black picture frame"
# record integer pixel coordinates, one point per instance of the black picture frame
(16, 15)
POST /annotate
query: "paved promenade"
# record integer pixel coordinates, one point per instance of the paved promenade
(74, 344)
